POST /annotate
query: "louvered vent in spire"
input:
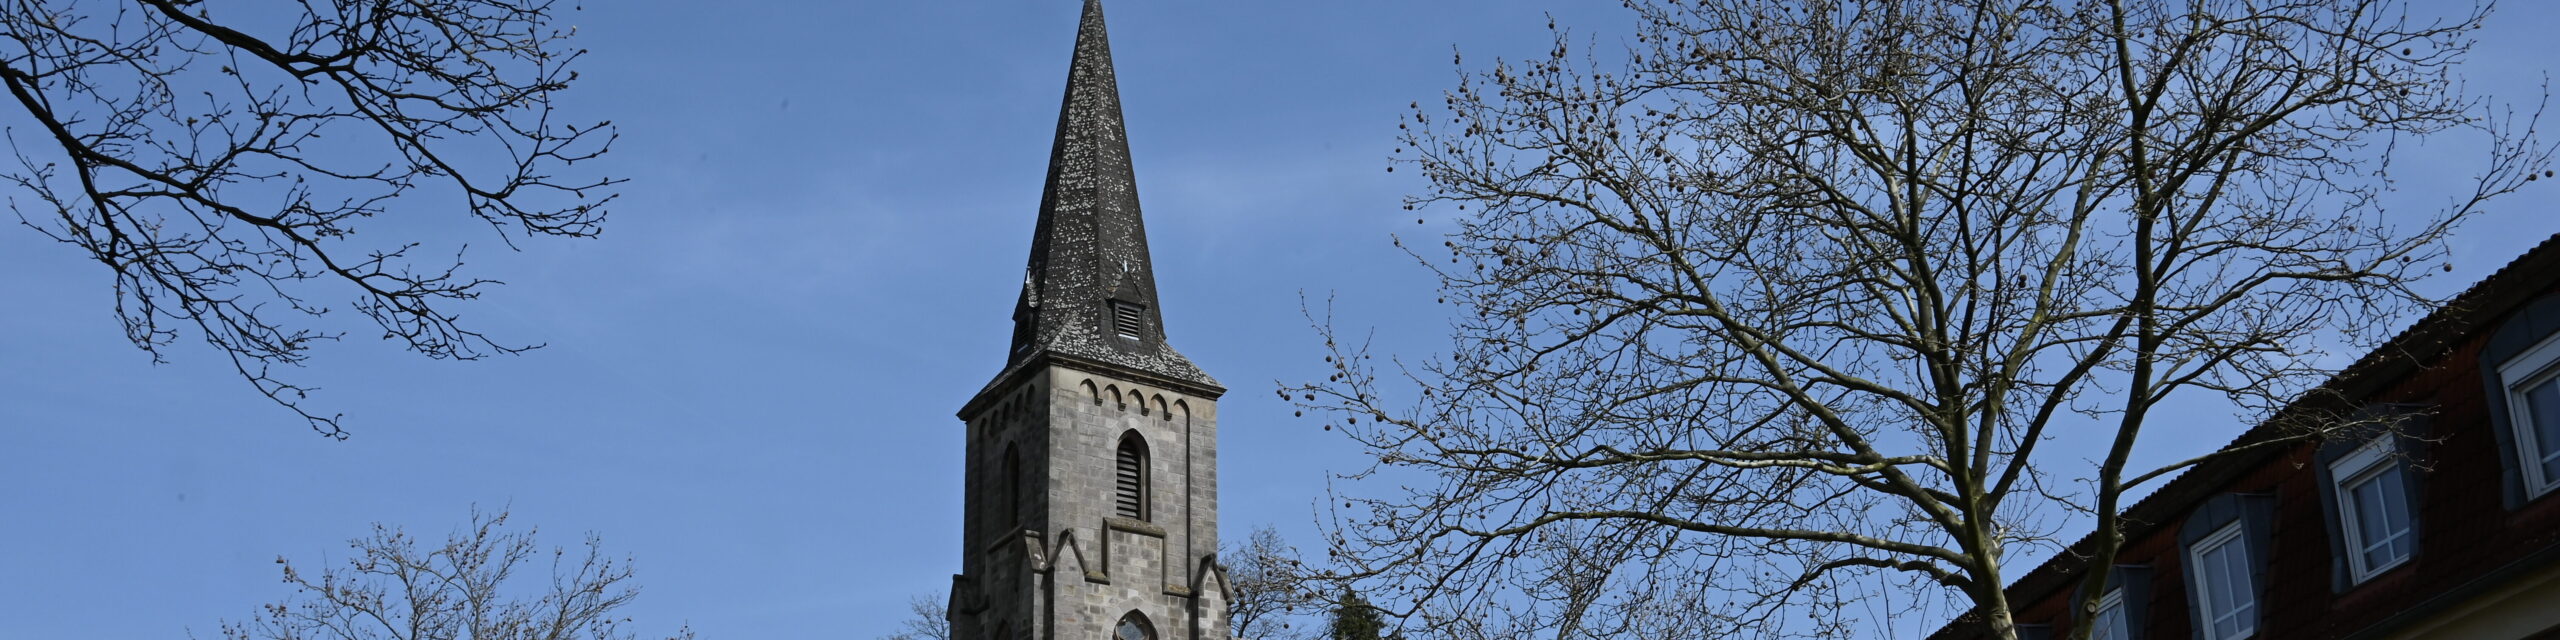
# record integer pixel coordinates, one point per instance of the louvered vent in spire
(1129, 321)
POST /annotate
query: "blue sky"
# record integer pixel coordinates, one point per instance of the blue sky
(751, 376)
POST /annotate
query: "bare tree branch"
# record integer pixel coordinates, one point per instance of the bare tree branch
(394, 589)
(222, 176)
(1769, 313)
(929, 620)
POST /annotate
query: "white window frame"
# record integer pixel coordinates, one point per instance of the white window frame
(2112, 603)
(2367, 463)
(2536, 365)
(2202, 578)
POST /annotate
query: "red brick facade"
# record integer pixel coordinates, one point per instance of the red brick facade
(2472, 546)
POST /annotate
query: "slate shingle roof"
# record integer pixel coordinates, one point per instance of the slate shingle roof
(1089, 251)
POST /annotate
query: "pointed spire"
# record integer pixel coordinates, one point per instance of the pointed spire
(1089, 292)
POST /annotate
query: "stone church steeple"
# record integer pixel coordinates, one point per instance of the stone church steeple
(1091, 478)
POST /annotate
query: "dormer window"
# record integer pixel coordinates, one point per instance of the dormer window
(2533, 404)
(2227, 541)
(1129, 320)
(2369, 494)
(2223, 584)
(2522, 365)
(2111, 622)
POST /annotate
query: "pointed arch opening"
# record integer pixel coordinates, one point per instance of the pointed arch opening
(1133, 627)
(1129, 475)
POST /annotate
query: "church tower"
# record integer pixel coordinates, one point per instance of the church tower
(1092, 475)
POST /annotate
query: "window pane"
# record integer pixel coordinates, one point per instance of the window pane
(2112, 624)
(2395, 497)
(2543, 403)
(2391, 543)
(2373, 518)
(2402, 544)
(2243, 597)
(2217, 581)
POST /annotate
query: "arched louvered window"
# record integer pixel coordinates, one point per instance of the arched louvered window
(1129, 475)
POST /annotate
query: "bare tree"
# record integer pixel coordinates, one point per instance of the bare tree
(930, 621)
(1267, 586)
(1786, 307)
(219, 161)
(395, 589)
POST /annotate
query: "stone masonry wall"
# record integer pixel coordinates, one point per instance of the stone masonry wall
(1120, 565)
(1046, 554)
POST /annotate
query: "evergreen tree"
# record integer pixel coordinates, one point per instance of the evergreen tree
(1355, 619)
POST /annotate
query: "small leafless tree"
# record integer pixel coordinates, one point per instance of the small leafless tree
(394, 589)
(219, 161)
(928, 620)
(1267, 586)
(1779, 309)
